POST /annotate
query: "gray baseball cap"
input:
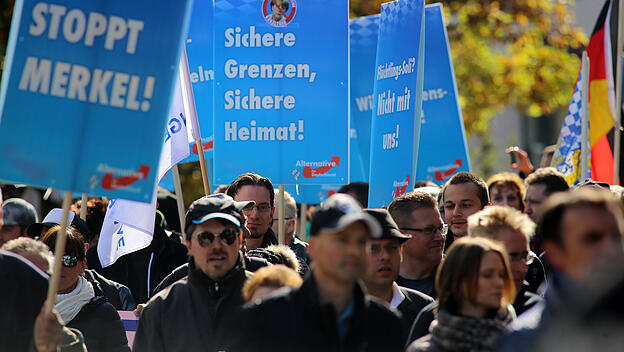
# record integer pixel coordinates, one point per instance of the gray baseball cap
(17, 211)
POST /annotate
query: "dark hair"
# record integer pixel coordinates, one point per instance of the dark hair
(402, 207)
(551, 213)
(508, 179)
(460, 268)
(74, 244)
(285, 4)
(359, 190)
(467, 177)
(550, 177)
(250, 179)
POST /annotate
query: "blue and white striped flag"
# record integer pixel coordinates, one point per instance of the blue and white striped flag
(567, 157)
(129, 226)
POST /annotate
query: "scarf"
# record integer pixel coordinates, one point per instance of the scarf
(69, 304)
(464, 333)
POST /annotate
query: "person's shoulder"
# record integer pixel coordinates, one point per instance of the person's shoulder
(378, 310)
(423, 344)
(415, 296)
(528, 320)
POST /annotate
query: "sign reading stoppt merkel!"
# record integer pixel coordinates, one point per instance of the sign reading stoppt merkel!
(397, 100)
(442, 126)
(86, 93)
(281, 91)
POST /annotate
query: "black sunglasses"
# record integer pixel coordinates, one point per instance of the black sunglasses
(69, 261)
(227, 237)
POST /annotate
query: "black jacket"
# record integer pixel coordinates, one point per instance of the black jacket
(156, 261)
(296, 320)
(101, 327)
(117, 294)
(411, 305)
(251, 264)
(194, 314)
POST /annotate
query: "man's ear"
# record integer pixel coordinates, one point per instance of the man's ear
(554, 254)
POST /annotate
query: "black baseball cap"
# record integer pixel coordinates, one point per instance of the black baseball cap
(340, 211)
(216, 206)
(389, 228)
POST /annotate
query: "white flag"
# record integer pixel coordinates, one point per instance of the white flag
(129, 226)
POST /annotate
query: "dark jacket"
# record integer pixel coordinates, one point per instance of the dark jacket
(411, 305)
(117, 294)
(251, 264)
(155, 262)
(269, 239)
(23, 291)
(194, 314)
(101, 327)
(525, 300)
(307, 324)
(421, 324)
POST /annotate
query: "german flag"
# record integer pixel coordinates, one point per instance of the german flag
(601, 50)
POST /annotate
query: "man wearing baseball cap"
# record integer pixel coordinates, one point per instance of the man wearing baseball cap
(384, 263)
(17, 215)
(198, 312)
(330, 311)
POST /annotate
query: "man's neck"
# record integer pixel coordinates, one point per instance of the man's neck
(330, 290)
(414, 269)
(254, 243)
(382, 292)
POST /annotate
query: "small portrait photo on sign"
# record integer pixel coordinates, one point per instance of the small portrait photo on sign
(279, 13)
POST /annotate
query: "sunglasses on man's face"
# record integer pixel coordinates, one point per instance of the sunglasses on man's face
(227, 237)
(69, 261)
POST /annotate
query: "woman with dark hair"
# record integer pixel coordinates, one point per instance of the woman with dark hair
(77, 303)
(475, 292)
(506, 189)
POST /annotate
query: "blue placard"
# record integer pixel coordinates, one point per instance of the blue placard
(397, 100)
(363, 32)
(281, 91)
(442, 126)
(199, 53)
(86, 92)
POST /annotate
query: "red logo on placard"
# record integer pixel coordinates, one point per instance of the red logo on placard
(206, 147)
(401, 190)
(309, 172)
(443, 175)
(110, 182)
(279, 13)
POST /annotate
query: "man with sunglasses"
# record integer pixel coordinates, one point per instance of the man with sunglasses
(330, 311)
(199, 312)
(416, 214)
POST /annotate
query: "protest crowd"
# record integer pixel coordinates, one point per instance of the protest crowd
(502, 265)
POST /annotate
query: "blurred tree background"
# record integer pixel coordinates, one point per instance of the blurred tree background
(520, 53)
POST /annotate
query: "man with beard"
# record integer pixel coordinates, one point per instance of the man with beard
(384, 262)
(330, 311)
(253, 187)
(416, 214)
(198, 312)
(463, 195)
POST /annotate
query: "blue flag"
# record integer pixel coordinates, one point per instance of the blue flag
(397, 100)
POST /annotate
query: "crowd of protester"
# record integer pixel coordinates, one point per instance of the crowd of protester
(510, 264)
